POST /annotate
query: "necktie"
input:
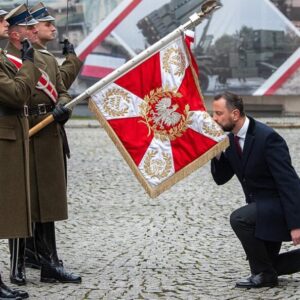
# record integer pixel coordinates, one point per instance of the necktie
(238, 146)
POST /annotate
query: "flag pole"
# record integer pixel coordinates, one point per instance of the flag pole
(206, 8)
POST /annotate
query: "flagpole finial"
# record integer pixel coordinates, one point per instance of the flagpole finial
(208, 6)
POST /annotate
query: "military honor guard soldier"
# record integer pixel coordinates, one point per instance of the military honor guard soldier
(35, 248)
(16, 87)
(48, 194)
(46, 33)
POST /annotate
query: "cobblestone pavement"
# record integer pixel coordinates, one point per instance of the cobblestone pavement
(128, 246)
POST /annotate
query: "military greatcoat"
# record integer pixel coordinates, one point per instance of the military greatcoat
(15, 90)
(47, 169)
(70, 69)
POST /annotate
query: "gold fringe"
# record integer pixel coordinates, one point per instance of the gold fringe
(155, 191)
(193, 166)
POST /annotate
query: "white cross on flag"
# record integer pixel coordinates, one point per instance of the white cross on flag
(156, 117)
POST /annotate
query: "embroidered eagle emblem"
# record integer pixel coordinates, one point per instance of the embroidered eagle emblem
(166, 113)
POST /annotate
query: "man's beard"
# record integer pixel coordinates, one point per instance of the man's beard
(228, 127)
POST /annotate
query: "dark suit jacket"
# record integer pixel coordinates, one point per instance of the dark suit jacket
(267, 178)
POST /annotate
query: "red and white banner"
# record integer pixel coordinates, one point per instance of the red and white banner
(98, 66)
(106, 27)
(156, 116)
(285, 80)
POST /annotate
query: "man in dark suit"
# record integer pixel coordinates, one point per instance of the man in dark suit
(260, 159)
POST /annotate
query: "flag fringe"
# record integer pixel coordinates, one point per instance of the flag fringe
(187, 170)
(154, 191)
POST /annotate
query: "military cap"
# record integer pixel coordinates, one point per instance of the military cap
(3, 12)
(40, 13)
(20, 16)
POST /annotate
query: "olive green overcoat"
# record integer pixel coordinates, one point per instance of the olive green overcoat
(69, 69)
(16, 88)
(47, 169)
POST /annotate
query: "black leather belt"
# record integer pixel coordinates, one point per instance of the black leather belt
(7, 111)
(40, 109)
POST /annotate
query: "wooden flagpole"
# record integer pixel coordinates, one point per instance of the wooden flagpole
(195, 19)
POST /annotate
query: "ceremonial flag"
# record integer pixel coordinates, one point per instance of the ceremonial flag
(156, 116)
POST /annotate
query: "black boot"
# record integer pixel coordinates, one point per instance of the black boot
(4, 294)
(31, 255)
(17, 261)
(35, 248)
(52, 273)
(7, 293)
(52, 268)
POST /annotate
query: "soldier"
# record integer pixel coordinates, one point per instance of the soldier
(15, 90)
(47, 33)
(47, 169)
(69, 70)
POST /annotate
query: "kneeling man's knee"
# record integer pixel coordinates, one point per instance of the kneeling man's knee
(235, 219)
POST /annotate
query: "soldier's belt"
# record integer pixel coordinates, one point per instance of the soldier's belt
(40, 109)
(7, 111)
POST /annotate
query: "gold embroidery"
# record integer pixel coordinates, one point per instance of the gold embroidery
(174, 56)
(210, 127)
(112, 102)
(162, 117)
(157, 167)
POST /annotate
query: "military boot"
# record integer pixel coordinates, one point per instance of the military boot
(17, 261)
(8, 293)
(52, 268)
(31, 256)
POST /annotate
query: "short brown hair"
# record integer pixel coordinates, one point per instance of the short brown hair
(233, 101)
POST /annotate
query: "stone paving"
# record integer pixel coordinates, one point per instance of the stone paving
(128, 246)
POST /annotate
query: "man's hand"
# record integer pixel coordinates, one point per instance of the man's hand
(27, 51)
(68, 48)
(295, 234)
(61, 114)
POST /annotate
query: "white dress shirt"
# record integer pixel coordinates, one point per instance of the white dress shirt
(242, 133)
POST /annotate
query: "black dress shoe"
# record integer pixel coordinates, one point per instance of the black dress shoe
(5, 294)
(245, 280)
(258, 281)
(17, 293)
(53, 273)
